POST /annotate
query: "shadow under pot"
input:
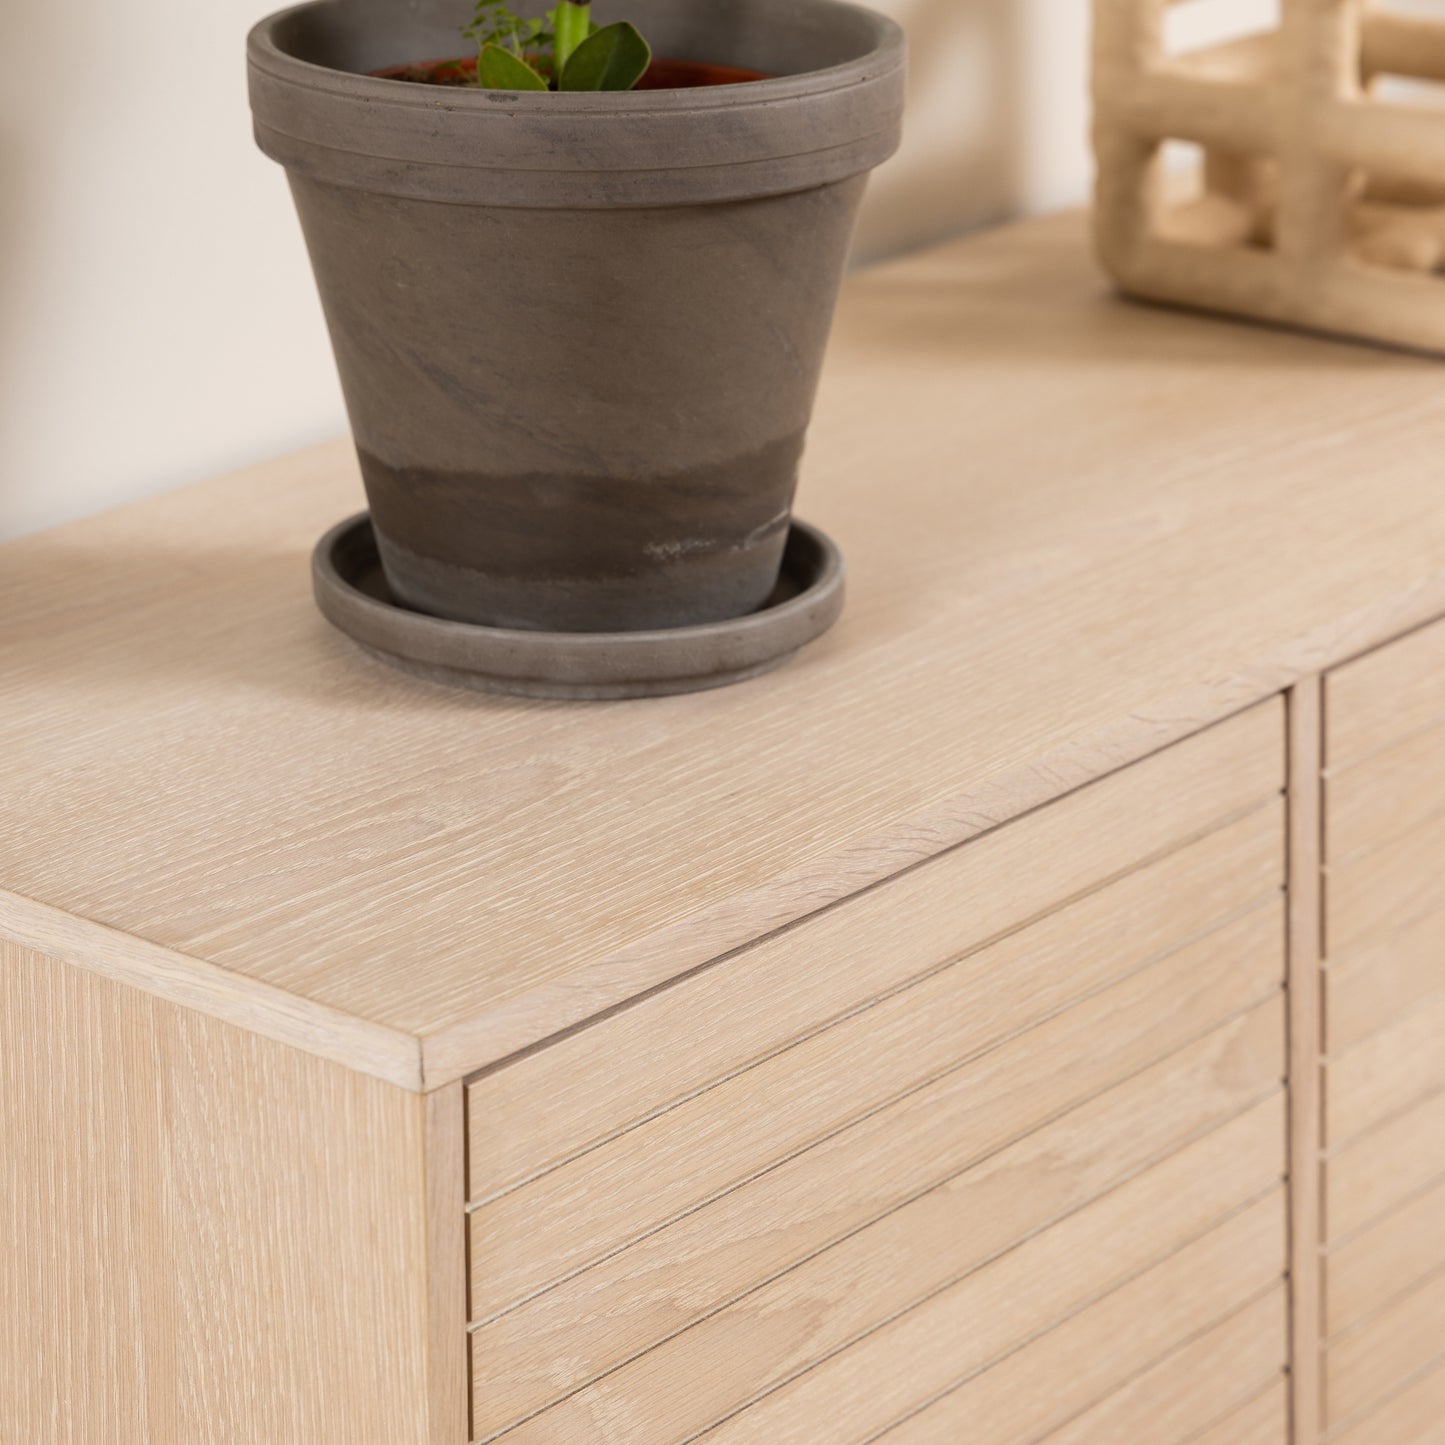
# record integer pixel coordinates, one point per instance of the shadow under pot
(580, 335)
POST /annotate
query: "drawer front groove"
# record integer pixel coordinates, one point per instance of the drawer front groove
(1379, 799)
(535, 1113)
(1411, 1416)
(1264, 1421)
(1385, 1261)
(574, 1334)
(1386, 697)
(1018, 1397)
(1367, 1178)
(1386, 1074)
(1212, 1373)
(1369, 1363)
(531, 1239)
(1370, 898)
(849, 1293)
(1377, 987)
(972, 1102)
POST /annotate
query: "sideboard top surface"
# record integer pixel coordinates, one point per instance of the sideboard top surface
(1077, 530)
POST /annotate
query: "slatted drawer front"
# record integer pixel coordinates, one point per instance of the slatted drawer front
(1384, 1122)
(1365, 1272)
(1386, 697)
(1263, 1421)
(1413, 1416)
(1224, 1365)
(1373, 1360)
(1012, 1084)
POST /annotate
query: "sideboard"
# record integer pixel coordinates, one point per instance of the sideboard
(1017, 1020)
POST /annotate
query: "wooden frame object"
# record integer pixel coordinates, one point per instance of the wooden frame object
(1321, 197)
(1016, 1021)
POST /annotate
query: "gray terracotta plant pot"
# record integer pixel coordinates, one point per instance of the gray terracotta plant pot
(580, 335)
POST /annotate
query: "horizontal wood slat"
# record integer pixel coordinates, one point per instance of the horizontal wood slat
(1384, 1168)
(575, 1216)
(1411, 1417)
(1026, 1393)
(1367, 1364)
(570, 1335)
(842, 1296)
(545, 1107)
(1387, 1073)
(1264, 1421)
(1385, 1261)
(1385, 795)
(1385, 697)
(1388, 979)
(1211, 1373)
(1369, 898)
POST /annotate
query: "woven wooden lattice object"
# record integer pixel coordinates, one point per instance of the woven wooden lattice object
(1322, 197)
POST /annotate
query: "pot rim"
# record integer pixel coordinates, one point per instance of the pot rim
(627, 149)
(887, 55)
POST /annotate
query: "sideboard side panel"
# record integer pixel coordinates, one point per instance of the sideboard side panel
(210, 1236)
(448, 1354)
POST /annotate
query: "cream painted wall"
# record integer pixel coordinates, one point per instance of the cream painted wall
(157, 322)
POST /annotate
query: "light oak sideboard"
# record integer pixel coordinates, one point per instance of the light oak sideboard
(1017, 1020)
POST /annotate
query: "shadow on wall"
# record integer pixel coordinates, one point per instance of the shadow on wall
(997, 119)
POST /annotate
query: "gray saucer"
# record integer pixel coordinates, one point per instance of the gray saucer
(352, 593)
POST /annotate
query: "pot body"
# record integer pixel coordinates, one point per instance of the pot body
(579, 337)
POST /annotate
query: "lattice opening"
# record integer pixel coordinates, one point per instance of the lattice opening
(1407, 90)
(1196, 26)
(1216, 199)
(1402, 59)
(1399, 225)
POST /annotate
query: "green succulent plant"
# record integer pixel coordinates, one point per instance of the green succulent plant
(565, 50)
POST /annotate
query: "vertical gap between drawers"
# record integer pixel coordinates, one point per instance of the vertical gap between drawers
(1306, 924)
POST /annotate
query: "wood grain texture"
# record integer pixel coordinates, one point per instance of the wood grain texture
(1387, 1260)
(578, 1215)
(1386, 696)
(551, 1104)
(1386, 794)
(842, 1297)
(1304, 990)
(209, 1236)
(448, 1358)
(1386, 1073)
(1386, 980)
(1264, 1421)
(1212, 1374)
(1367, 1364)
(1095, 1349)
(1372, 896)
(192, 757)
(1007, 1190)
(1411, 1417)
(302, 1023)
(1375, 1173)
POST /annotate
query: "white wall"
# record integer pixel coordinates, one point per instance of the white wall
(157, 323)
(998, 119)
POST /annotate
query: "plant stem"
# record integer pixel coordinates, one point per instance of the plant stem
(574, 24)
